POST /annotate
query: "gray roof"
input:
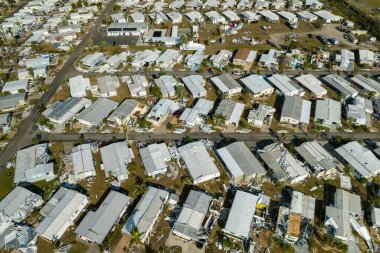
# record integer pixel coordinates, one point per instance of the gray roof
(192, 215)
(18, 204)
(59, 109)
(195, 84)
(154, 158)
(240, 161)
(231, 110)
(329, 111)
(59, 210)
(32, 164)
(368, 84)
(361, 159)
(96, 225)
(241, 214)
(83, 161)
(16, 85)
(297, 109)
(115, 158)
(316, 156)
(199, 163)
(146, 211)
(11, 100)
(344, 204)
(341, 85)
(124, 110)
(256, 83)
(95, 113)
(225, 82)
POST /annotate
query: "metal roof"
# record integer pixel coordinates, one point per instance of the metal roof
(316, 156)
(11, 100)
(17, 204)
(231, 110)
(225, 83)
(297, 109)
(329, 111)
(124, 110)
(302, 204)
(195, 84)
(146, 212)
(95, 113)
(154, 158)
(96, 225)
(256, 83)
(285, 85)
(194, 211)
(83, 161)
(341, 85)
(115, 158)
(311, 83)
(59, 212)
(241, 214)
(66, 109)
(240, 161)
(367, 84)
(32, 164)
(16, 85)
(361, 159)
(199, 163)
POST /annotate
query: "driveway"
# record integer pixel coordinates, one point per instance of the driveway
(187, 247)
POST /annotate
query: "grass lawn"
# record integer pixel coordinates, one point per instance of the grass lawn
(6, 182)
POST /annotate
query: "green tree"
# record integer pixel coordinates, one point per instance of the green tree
(136, 237)
(156, 91)
(139, 189)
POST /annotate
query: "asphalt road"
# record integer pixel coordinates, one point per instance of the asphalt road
(28, 130)
(212, 136)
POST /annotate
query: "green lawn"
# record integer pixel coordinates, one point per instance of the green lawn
(6, 179)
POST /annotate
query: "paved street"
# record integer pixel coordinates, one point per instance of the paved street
(211, 136)
(28, 130)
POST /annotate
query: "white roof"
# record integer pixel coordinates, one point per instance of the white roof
(137, 17)
(225, 83)
(92, 59)
(269, 15)
(115, 158)
(154, 158)
(306, 15)
(256, 83)
(17, 85)
(289, 16)
(329, 111)
(240, 161)
(192, 215)
(297, 109)
(311, 83)
(97, 224)
(99, 110)
(327, 15)
(285, 85)
(146, 211)
(361, 159)
(199, 163)
(78, 86)
(368, 84)
(195, 84)
(166, 84)
(231, 110)
(32, 164)
(241, 214)
(59, 212)
(163, 107)
(82, 159)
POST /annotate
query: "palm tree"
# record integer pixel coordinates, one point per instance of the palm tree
(186, 180)
(136, 237)
(139, 189)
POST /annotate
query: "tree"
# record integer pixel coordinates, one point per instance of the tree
(143, 123)
(186, 180)
(139, 189)
(132, 167)
(135, 237)
(156, 91)
(218, 119)
(180, 91)
(116, 7)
